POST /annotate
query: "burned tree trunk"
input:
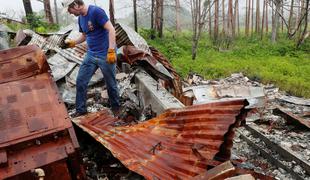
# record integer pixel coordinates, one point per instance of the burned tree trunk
(48, 11)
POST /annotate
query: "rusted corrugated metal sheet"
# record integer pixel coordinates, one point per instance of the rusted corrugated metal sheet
(35, 129)
(127, 36)
(22, 62)
(133, 55)
(177, 84)
(178, 144)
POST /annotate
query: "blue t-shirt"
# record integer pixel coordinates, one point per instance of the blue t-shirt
(97, 37)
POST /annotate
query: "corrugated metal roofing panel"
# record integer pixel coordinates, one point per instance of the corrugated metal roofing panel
(22, 62)
(30, 108)
(178, 144)
(127, 36)
(60, 66)
(35, 129)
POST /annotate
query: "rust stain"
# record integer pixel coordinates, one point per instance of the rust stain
(35, 129)
(178, 144)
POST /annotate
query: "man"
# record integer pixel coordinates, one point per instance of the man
(99, 34)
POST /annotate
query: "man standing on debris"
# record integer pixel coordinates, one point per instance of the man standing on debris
(99, 33)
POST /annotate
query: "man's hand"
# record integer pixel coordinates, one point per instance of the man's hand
(69, 43)
(111, 57)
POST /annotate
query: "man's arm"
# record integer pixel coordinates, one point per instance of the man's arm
(109, 27)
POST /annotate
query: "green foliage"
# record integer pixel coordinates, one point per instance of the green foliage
(36, 23)
(280, 63)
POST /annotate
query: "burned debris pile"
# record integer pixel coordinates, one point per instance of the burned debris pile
(166, 129)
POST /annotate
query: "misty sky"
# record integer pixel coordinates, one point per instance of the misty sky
(15, 9)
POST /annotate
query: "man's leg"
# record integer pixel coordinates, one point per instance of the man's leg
(87, 69)
(109, 71)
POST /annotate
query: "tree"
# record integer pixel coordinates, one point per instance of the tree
(216, 19)
(159, 14)
(199, 10)
(48, 11)
(266, 21)
(28, 10)
(252, 17)
(304, 34)
(56, 13)
(290, 17)
(223, 17)
(135, 14)
(263, 19)
(111, 10)
(257, 21)
(177, 16)
(230, 24)
(275, 25)
(248, 12)
(152, 14)
(210, 19)
(236, 16)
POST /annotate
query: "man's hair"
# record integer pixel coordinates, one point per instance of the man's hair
(76, 2)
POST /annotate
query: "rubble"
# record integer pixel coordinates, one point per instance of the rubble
(159, 134)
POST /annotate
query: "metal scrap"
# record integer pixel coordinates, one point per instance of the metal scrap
(290, 117)
(213, 93)
(207, 127)
(35, 130)
(60, 66)
(127, 36)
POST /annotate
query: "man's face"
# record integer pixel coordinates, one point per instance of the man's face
(74, 9)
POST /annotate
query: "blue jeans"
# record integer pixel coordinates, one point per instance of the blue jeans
(87, 69)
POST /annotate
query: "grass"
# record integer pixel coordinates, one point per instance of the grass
(281, 63)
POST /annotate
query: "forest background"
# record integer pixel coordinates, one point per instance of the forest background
(267, 40)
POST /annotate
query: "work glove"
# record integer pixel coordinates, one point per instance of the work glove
(111, 57)
(69, 43)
